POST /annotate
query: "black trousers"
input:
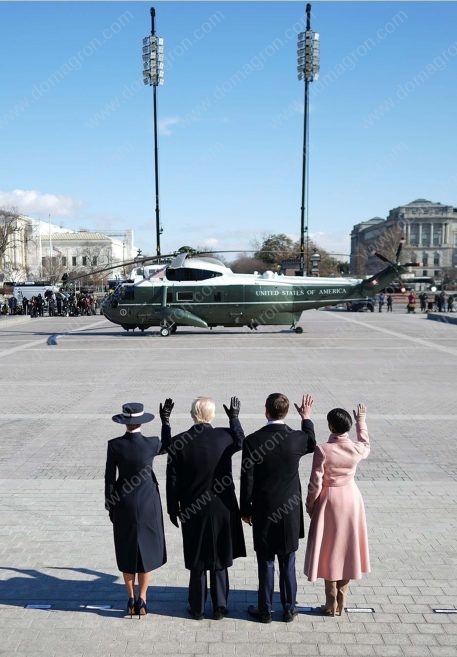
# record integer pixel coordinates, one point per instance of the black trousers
(287, 582)
(198, 589)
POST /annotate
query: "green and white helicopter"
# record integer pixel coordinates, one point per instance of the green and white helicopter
(201, 291)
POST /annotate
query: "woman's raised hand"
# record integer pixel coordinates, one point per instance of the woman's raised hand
(360, 413)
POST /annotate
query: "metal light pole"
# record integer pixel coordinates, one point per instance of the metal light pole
(153, 67)
(308, 56)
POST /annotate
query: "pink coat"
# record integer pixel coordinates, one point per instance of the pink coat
(337, 545)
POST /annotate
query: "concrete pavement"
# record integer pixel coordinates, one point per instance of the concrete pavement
(55, 538)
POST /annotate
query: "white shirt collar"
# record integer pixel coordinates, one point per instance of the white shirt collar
(134, 430)
(275, 422)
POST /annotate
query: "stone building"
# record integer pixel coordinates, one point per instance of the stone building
(40, 250)
(430, 234)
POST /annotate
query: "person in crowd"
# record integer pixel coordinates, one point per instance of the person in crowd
(201, 495)
(450, 304)
(12, 303)
(133, 501)
(381, 300)
(442, 302)
(389, 300)
(40, 305)
(423, 298)
(411, 307)
(337, 548)
(271, 500)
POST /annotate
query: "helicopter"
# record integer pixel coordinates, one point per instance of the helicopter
(201, 291)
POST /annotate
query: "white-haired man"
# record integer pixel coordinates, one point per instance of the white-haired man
(201, 493)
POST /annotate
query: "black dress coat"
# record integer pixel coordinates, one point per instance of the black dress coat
(133, 501)
(200, 491)
(270, 486)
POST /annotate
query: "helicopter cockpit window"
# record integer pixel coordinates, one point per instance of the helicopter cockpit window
(127, 292)
(187, 274)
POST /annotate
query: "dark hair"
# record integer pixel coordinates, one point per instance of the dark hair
(277, 406)
(339, 420)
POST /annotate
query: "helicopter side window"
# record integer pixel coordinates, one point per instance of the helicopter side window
(184, 274)
(127, 292)
(184, 296)
(169, 297)
(217, 296)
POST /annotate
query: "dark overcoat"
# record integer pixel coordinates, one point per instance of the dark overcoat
(132, 497)
(270, 486)
(200, 491)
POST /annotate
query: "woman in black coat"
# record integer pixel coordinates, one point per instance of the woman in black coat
(133, 501)
(201, 493)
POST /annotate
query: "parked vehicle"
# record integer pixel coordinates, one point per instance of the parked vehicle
(361, 305)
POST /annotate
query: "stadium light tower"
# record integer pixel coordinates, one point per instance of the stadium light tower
(153, 68)
(308, 64)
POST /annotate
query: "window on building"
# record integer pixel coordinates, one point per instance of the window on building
(94, 261)
(84, 260)
(437, 234)
(425, 259)
(414, 235)
(64, 261)
(425, 238)
(73, 261)
(425, 272)
(437, 273)
(436, 259)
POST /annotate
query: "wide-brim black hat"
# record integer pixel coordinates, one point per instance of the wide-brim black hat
(133, 413)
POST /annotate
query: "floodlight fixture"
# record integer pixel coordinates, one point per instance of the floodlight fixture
(153, 55)
(308, 66)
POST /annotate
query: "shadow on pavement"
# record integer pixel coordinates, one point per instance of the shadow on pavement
(34, 587)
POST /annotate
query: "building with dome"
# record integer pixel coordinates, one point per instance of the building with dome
(430, 233)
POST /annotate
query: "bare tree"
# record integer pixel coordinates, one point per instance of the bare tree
(93, 258)
(247, 265)
(9, 232)
(52, 269)
(387, 244)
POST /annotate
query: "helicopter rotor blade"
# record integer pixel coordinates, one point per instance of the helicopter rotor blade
(400, 246)
(120, 265)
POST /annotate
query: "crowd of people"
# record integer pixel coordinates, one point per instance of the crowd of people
(52, 304)
(439, 302)
(201, 498)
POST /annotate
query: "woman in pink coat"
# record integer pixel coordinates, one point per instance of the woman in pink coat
(337, 548)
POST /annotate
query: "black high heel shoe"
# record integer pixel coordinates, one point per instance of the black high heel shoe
(141, 608)
(131, 607)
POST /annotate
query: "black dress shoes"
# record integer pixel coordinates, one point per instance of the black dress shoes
(220, 613)
(194, 614)
(289, 615)
(262, 617)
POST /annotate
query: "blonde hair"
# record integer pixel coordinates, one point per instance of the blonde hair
(203, 410)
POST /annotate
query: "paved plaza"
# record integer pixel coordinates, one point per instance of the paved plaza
(63, 378)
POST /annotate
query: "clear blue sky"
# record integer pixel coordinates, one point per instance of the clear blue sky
(76, 121)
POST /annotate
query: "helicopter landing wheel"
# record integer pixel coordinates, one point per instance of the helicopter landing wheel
(164, 331)
(298, 329)
(174, 328)
(141, 329)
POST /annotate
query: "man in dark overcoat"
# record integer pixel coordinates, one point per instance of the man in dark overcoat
(201, 493)
(271, 500)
